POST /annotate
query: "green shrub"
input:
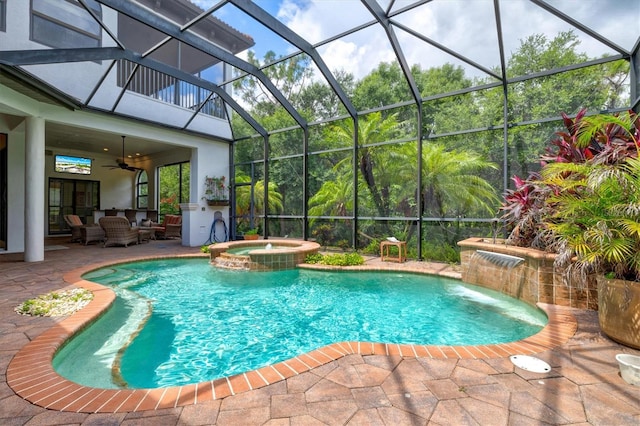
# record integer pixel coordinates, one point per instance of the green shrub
(339, 259)
(353, 259)
(204, 249)
(373, 247)
(313, 258)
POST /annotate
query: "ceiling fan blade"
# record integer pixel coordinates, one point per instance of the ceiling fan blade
(121, 164)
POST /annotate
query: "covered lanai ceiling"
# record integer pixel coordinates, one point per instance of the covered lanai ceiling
(189, 40)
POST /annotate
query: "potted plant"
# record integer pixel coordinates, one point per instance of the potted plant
(594, 216)
(215, 191)
(251, 234)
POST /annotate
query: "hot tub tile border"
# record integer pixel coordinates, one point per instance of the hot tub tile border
(33, 362)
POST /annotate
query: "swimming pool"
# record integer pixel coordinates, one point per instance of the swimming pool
(201, 323)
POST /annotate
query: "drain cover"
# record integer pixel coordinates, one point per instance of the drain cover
(530, 363)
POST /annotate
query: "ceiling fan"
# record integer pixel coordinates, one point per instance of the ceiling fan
(121, 163)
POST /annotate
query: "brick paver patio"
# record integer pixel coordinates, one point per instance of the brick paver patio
(583, 387)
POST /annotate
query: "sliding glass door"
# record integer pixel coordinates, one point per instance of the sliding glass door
(70, 196)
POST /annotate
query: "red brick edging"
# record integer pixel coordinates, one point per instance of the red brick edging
(31, 375)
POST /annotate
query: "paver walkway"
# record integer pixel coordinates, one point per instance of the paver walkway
(583, 387)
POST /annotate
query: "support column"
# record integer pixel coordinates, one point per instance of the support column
(34, 190)
(192, 234)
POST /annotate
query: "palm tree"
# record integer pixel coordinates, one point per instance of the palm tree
(243, 199)
(451, 183)
(335, 198)
(374, 160)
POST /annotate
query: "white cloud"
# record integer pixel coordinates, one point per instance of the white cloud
(466, 26)
(315, 21)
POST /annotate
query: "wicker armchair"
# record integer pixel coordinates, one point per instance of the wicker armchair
(118, 231)
(75, 223)
(171, 227)
(81, 232)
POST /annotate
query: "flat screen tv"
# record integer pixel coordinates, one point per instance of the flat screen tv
(70, 164)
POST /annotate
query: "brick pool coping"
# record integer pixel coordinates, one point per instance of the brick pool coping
(31, 375)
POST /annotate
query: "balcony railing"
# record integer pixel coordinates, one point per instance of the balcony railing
(165, 88)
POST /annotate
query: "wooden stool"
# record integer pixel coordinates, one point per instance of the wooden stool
(402, 251)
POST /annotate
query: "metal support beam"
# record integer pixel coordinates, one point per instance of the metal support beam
(232, 193)
(59, 56)
(265, 165)
(305, 185)
(577, 24)
(285, 32)
(384, 21)
(419, 193)
(634, 76)
(505, 94)
(355, 154)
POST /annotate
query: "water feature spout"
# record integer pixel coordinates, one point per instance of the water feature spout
(268, 246)
(500, 258)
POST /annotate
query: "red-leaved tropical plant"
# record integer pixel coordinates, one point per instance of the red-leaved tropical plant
(596, 204)
(523, 210)
(563, 148)
(527, 206)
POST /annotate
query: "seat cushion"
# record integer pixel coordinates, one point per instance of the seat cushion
(74, 220)
(172, 220)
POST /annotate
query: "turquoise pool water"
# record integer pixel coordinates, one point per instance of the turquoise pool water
(193, 322)
(245, 250)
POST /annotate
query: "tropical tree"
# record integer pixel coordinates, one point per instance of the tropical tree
(375, 160)
(452, 183)
(244, 197)
(385, 85)
(335, 198)
(544, 97)
(174, 187)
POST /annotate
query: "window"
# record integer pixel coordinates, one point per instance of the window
(65, 23)
(3, 15)
(174, 187)
(142, 190)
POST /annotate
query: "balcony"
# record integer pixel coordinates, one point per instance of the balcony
(168, 89)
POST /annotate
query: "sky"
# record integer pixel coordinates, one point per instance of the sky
(467, 26)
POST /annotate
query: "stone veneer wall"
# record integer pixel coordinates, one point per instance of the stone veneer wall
(532, 281)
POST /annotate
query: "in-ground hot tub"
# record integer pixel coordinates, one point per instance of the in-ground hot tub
(261, 255)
